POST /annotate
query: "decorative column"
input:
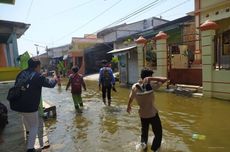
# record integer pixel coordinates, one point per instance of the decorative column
(8, 54)
(141, 42)
(13, 40)
(208, 31)
(161, 49)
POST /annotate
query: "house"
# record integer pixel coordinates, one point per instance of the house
(126, 49)
(57, 54)
(79, 44)
(9, 33)
(45, 60)
(182, 61)
(113, 33)
(129, 68)
(212, 22)
(171, 60)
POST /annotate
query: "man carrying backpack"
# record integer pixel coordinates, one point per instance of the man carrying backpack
(106, 81)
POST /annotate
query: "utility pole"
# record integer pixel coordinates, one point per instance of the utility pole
(37, 49)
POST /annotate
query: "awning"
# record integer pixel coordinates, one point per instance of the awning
(65, 57)
(123, 50)
(7, 28)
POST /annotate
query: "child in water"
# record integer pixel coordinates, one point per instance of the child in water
(59, 80)
(143, 92)
(77, 82)
(57, 74)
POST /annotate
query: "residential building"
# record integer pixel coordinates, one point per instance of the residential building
(113, 33)
(9, 33)
(212, 20)
(45, 60)
(181, 60)
(125, 47)
(129, 68)
(57, 54)
(173, 59)
(79, 44)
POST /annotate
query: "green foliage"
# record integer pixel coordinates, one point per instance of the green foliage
(115, 60)
(61, 67)
(151, 57)
(128, 40)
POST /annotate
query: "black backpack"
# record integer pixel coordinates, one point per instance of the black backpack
(106, 77)
(3, 116)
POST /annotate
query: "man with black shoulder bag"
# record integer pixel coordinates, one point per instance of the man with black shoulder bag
(26, 95)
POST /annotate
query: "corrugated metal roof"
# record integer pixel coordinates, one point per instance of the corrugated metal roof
(115, 51)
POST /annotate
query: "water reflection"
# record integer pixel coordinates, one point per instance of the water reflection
(60, 89)
(104, 129)
(82, 127)
(108, 120)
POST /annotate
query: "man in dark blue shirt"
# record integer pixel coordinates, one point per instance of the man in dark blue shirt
(31, 82)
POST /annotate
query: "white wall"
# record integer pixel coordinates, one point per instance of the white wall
(58, 52)
(208, 3)
(132, 67)
(157, 22)
(110, 37)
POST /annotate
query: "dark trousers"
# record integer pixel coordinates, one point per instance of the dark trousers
(156, 128)
(106, 90)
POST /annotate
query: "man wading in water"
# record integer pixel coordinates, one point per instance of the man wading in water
(143, 92)
(107, 81)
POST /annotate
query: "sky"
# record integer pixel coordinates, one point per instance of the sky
(55, 22)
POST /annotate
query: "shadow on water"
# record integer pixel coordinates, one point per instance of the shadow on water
(103, 129)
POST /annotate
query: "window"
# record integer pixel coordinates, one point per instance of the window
(175, 49)
(222, 51)
(226, 43)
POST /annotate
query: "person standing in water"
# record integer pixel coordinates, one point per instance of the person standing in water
(106, 81)
(77, 82)
(31, 82)
(143, 92)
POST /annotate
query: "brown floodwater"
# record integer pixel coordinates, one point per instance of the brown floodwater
(111, 129)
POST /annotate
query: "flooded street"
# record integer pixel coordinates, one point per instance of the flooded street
(111, 129)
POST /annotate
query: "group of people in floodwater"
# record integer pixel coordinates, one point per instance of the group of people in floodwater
(32, 81)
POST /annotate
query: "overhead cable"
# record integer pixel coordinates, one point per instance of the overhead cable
(82, 26)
